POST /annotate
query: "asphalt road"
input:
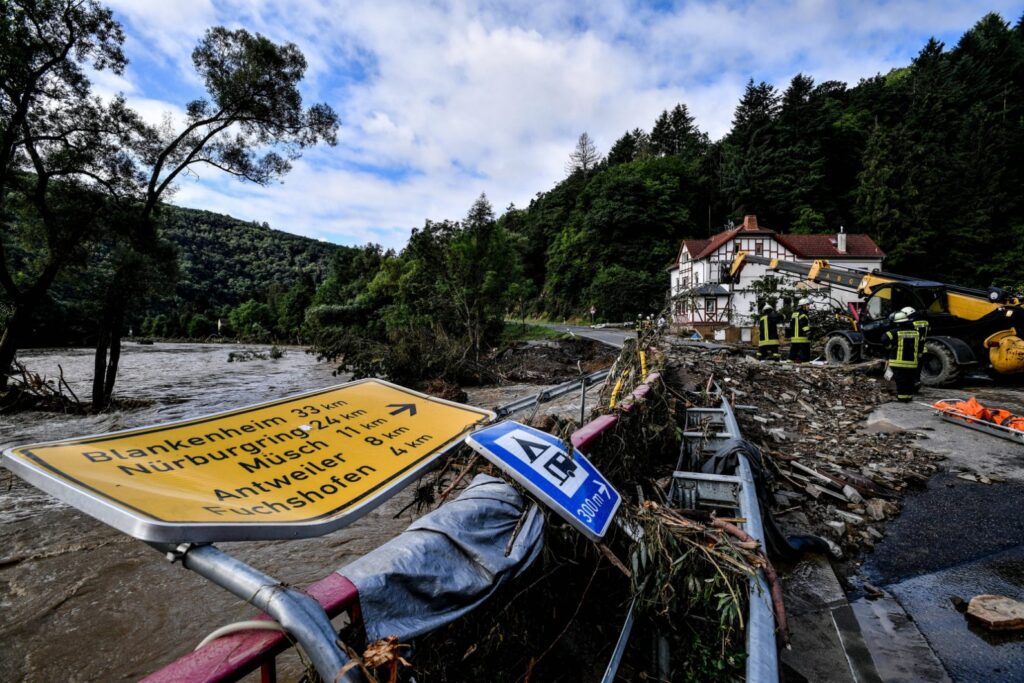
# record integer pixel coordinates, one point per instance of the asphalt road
(958, 539)
(613, 336)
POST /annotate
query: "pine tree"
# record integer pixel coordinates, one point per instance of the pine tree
(584, 158)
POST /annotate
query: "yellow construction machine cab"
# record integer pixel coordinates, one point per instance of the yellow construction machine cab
(967, 326)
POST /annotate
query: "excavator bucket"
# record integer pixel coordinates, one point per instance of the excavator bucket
(1006, 352)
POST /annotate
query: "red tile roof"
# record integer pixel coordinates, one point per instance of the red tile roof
(824, 246)
(700, 248)
(803, 246)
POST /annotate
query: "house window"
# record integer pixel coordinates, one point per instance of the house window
(737, 246)
(710, 307)
(759, 247)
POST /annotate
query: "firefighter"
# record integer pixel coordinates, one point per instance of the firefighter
(800, 333)
(903, 343)
(920, 323)
(768, 334)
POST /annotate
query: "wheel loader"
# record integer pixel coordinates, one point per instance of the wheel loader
(969, 329)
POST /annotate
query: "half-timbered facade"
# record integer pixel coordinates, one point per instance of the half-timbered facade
(703, 297)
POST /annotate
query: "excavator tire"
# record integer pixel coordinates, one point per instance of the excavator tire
(938, 366)
(841, 351)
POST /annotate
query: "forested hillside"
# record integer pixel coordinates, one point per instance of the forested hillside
(927, 159)
(244, 274)
(225, 262)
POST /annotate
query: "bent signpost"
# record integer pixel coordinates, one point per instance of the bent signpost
(297, 467)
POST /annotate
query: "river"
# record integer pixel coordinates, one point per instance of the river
(82, 602)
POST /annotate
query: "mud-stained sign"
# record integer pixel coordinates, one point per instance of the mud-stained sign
(298, 467)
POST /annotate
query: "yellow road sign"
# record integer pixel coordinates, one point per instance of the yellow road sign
(300, 466)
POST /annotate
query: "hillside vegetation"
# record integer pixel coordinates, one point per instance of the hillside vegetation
(257, 281)
(927, 159)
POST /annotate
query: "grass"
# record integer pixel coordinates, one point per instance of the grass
(516, 331)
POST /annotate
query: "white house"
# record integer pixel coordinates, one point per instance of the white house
(702, 266)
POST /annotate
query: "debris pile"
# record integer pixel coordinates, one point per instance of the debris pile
(251, 354)
(688, 572)
(833, 478)
(551, 361)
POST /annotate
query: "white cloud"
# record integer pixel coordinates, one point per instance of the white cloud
(458, 98)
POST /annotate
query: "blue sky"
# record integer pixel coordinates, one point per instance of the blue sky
(441, 101)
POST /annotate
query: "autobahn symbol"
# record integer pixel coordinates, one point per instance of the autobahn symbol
(568, 483)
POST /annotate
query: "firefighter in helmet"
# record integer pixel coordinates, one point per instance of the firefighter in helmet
(768, 333)
(903, 343)
(800, 333)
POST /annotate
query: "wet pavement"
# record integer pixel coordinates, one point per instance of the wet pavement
(613, 336)
(955, 539)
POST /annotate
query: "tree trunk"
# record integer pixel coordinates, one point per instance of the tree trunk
(115, 355)
(99, 368)
(11, 339)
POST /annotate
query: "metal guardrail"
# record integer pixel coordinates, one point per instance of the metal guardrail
(551, 393)
(735, 490)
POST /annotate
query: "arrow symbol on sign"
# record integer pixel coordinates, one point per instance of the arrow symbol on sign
(604, 490)
(402, 407)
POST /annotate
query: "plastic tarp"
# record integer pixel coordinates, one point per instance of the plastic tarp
(447, 562)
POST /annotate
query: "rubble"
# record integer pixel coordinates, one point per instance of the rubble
(809, 420)
(996, 612)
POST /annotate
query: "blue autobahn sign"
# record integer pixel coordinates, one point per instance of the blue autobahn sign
(570, 485)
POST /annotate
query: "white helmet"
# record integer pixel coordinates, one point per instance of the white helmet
(900, 317)
(804, 302)
(766, 308)
(909, 310)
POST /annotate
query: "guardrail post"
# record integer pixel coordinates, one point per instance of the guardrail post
(301, 616)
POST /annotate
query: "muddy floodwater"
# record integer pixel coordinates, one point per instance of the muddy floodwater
(82, 602)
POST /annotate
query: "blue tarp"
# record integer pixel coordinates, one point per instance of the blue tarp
(447, 562)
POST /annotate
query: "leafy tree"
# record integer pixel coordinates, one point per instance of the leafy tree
(251, 126)
(59, 145)
(629, 214)
(431, 311)
(620, 294)
(253, 320)
(201, 326)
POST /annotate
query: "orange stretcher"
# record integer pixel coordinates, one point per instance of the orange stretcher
(970, 413)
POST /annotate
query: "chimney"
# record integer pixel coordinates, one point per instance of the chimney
(841, 241)
(750, 222)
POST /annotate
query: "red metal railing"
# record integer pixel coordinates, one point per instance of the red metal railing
(590, 432)
(233, 656)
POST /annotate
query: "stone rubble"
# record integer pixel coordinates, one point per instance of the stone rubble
(832, 478)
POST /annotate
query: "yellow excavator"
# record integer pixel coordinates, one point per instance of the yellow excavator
(969, 329)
